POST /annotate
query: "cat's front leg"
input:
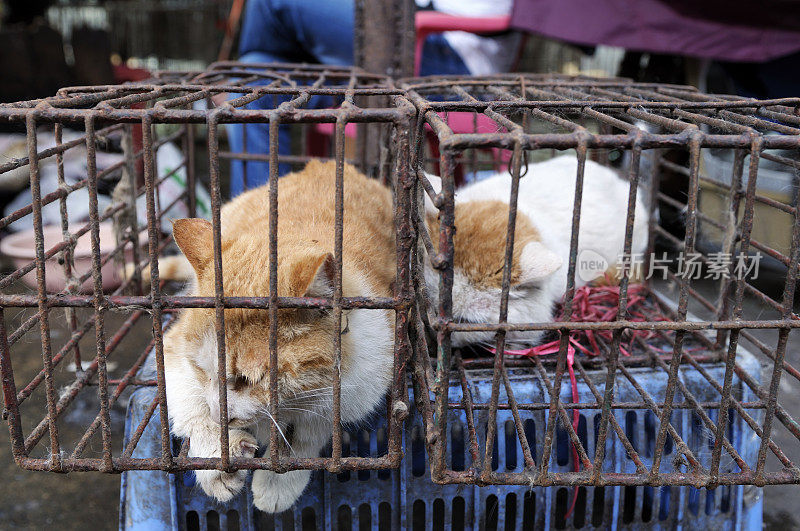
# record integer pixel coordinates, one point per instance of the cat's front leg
(273, 492)
(190, 417)
(204, 442)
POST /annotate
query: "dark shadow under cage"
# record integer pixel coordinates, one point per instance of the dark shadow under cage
(687, 404)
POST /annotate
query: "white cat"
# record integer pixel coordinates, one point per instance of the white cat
(541, 247)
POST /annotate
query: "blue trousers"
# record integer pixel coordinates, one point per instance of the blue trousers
(316, 31)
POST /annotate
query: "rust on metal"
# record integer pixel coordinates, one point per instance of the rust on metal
(657, 129)
(542, 113)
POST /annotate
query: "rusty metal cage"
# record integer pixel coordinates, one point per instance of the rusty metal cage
(654, 135)
(651, 132)
(175, 107)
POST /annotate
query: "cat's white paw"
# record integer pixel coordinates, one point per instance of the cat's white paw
(274, 493)
(221, 485)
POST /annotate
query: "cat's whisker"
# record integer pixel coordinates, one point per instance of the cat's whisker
(312, 390)
(283, 436)
(320, 389)
(309, 399)
(323, 393)
(305, 410)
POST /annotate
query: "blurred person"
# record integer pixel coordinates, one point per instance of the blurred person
(281, 31)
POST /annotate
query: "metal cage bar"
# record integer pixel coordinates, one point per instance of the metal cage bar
(680, 118)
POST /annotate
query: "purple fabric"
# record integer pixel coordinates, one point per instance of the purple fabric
(729, 30)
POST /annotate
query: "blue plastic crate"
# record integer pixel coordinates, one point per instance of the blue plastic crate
(406, 498)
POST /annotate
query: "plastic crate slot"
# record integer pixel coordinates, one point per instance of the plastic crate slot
(528, 510)
(511, 511)
(710, 435)
(596, 424)
(491, 512)
(629, 505)
(664, 507)
(649, 434)
(529, 427)
(362, 447)
(384, 516)
(511, 445)
(647, 504)
(457, 446)
(725, 499)
(582, 429)
(710, 495)
(382, 446)
(598, 506)
(630, 430)
(264, 521)
(364, 517)
(437, 520)
(459, 519)
(562, 506)
(697, 436)
(212, 521)
(668, 445)
(308, 518)
(345, 476)
(287, 519)
(232, 521)
(694, 500)
(344, 518)
(417, 452)
(579, 514)
(192, 521)
(418, 515)
(562, 446)
(495, 450)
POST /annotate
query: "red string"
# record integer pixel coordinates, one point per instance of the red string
(596, 304)
(592, 304)
(552, 348)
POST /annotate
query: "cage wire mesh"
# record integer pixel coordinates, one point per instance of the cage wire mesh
(139, 119)
(689, 405)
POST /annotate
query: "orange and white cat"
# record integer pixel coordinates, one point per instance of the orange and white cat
(305, 336)
(541, 243)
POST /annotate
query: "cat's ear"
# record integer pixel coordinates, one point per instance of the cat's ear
(314, 277)
(195, 238)
(536, 263)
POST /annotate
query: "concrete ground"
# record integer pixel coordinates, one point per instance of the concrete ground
(78, 500)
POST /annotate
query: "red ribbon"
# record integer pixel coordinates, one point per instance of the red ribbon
(552, 348)
(596, 304)
(591, 304)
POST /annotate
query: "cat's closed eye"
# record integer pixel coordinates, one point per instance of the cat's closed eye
(237, 383)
